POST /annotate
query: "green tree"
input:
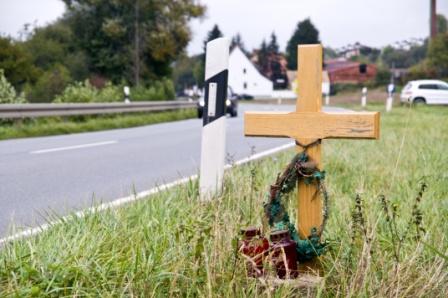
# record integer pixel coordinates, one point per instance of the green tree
(211, 35)
(438, 54)
(55, 44)
(16, 64)
(305, 33)
(237, 40)
(273, 45)
(442, 24)
(200, 69)
(184, 72)
(50, 84)
(130, 40)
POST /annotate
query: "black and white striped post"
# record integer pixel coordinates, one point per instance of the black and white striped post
(213, 145)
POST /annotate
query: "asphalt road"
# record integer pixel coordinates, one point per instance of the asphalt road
(59, 174)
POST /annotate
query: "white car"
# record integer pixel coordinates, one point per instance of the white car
(425, 91)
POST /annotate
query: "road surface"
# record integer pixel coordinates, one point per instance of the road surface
(59, 174)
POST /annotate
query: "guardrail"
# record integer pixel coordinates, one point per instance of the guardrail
(34, 110)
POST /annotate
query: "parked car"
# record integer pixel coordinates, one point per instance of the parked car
(425, 92)
(231, 104)
(245, 96)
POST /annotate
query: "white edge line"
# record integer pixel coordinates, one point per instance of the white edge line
(135, 197)
(72, 147)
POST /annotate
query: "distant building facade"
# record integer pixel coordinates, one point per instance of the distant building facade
(344, 71)
(244, 77)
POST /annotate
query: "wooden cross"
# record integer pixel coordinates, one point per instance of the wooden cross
(306, 125)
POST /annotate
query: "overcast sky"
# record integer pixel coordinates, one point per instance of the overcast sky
(340, 22)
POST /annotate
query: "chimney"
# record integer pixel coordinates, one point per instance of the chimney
(433, 19)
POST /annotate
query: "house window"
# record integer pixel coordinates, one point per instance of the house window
(362, 68)
(244, 70)
(245, 85)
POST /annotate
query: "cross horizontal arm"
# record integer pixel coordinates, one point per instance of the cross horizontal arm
(312, 125)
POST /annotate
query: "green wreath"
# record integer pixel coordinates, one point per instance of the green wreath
(300, 167)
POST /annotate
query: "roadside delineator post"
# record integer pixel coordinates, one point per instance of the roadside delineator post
(364, 97)
(213, 146)
(390, 97)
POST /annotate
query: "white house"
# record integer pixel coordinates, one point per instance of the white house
(244, 78)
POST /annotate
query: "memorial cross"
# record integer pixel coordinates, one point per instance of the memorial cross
(308, 124)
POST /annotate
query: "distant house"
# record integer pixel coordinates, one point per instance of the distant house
(273, 66)
(344, 71)
(244, 77)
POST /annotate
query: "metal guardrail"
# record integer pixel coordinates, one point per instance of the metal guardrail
(33, 110)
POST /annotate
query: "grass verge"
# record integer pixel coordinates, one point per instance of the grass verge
(75, 124)
(174, 245)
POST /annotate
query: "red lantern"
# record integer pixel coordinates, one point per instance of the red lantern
(255, 248)
(284, 254)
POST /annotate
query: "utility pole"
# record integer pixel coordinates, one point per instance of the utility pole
(433, 19)
(136, 44)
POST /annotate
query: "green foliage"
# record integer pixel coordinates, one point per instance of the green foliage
(16, 63)
(211, 35)
(131, 39)
(184, 73)
(382, 77)
(237, 40)
(442, 24)
(305, 33)
(78, 92)
(160, 90)
(421, 71)
(85, 92)
(273, 44)
(403, 58)
(438, 54)
(7, 92)
(50, 84)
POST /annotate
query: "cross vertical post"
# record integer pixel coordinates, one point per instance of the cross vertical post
(309, 75)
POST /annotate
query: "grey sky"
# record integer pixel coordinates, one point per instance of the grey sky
(371, 22)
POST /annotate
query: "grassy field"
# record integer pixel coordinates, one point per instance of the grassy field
(174, 245)
(74, 124)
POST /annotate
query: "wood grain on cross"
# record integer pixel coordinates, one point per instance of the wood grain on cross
(306, 125)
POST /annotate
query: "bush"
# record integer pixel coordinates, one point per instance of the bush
(110, 93)
(77, 92)
(85, 92)
(159, 90)
(7, 92)
(50, 84)
(421, 71)
(382, 77)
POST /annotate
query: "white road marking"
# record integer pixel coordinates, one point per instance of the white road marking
(132, 198)
(73, 147)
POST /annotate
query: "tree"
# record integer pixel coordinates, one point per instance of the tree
(132, 39)
(237, 40)
(212, 34)
(16, 64)
(305, 33)
(438, 54)
(199, 70)
(442, 24)
(55, 44)
(273, 45)
(51, 83)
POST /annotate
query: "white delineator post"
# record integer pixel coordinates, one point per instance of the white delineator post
(364, 97)
(213, 145)
(390, 98)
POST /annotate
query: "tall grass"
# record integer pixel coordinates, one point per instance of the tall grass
(174, 245)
